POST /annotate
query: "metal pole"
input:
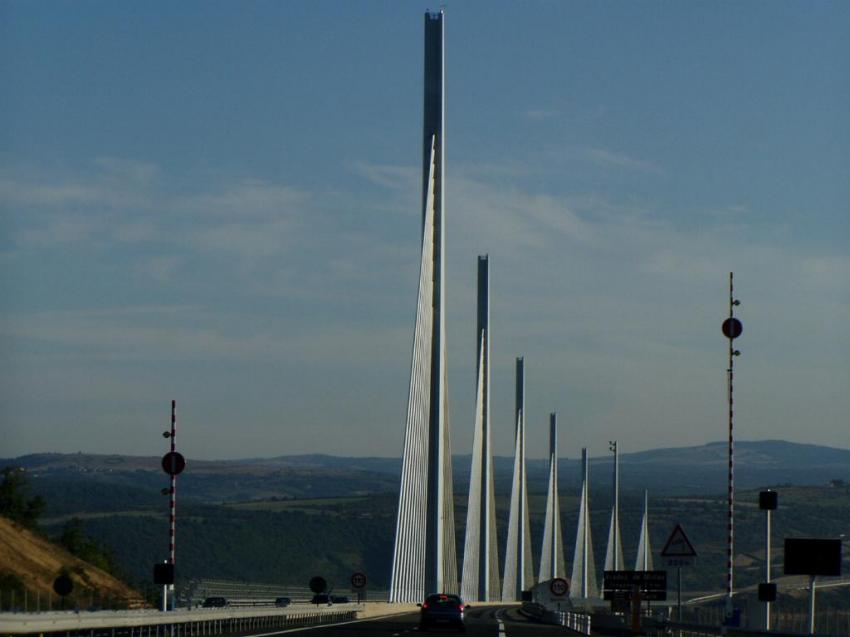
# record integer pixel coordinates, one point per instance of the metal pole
(767, 567)
(173, 492)
(165, 594)
(811, 604)
(678, 593)
(730, 546)
(616, 504)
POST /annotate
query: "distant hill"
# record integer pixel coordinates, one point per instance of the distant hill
(284, 519)
(29, 561)
(82, 482)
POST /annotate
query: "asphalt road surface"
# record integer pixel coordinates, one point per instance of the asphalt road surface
(492, 621)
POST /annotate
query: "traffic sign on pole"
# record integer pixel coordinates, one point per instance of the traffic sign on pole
(559, 587)
(358, 580)
(173, 463)
(678, 551)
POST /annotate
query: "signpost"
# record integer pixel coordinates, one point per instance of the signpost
(62, 586)
(812, 557)
(633, 586)
(678, 551)
(358, 584)
(559, 587)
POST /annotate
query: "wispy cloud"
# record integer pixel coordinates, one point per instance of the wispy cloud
(395, 177)
(538, 114)
(603, 157)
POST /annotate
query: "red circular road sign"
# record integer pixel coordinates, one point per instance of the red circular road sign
(358, 580)
(559, 586)
(732, 328)
(173, 463)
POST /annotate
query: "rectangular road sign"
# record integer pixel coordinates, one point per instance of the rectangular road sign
(812, 556)
(647, 596)
(626, 580)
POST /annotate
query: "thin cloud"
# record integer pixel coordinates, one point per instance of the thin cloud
(606, 158)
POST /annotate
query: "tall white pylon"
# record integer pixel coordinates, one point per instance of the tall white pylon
(583, 580)
(643, 562)
(424, 554)
(614, 552)
(480, 579)
(519, 575)
(552, 551)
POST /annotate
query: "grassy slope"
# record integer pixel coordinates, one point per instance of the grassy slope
(36, 562)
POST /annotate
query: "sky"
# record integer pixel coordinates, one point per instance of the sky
(219, 203)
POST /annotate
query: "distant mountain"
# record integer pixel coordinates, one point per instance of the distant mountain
(91, 482)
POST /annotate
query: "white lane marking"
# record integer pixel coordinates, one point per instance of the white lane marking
(501, 628)
(296, 630)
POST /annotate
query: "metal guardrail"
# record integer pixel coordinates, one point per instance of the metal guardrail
(179, 623)
(578, 622)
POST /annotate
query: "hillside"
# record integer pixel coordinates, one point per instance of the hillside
(75, 483)
(30, 562)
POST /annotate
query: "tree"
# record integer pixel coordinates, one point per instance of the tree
(74, 540)
(14, 503)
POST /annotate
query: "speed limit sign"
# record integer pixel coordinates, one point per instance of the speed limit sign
(358, 580)
(559, 587)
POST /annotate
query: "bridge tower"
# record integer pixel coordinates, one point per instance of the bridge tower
(643, 561)
(518, 568)
(480, 580)
(424, 555)
(614, 552)
(552, 551)
(583, 580)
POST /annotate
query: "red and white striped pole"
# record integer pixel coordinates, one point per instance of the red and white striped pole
(731, 329)
(173, 493)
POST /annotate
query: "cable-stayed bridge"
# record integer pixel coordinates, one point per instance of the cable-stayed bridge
(507, 596)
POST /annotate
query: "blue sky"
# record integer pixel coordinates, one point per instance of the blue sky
(218, 202)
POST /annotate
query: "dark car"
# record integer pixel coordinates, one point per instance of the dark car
(340, 599)
(215, 602)
(442, 610)
(282, 602)
(320, 599)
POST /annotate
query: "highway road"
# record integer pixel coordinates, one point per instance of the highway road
(492, 621)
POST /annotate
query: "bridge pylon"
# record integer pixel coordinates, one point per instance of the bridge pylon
(424, 554)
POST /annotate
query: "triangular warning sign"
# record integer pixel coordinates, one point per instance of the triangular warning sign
(678, 544)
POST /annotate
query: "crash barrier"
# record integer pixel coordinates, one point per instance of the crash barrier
(250, 594)
(180, 623)
(684, 629)
(578, 622)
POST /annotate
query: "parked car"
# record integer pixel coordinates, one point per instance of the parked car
(340, 599)
(215, 602)
(442, 610)
(282, 602)
(321, 599)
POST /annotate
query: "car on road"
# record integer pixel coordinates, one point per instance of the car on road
(215, 602)
(442, 609)
(340, 599)
(321, 598)
(282, 602)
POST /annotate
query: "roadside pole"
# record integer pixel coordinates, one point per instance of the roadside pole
(678, 593)
(812, 604)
